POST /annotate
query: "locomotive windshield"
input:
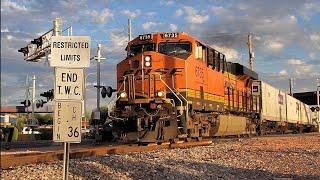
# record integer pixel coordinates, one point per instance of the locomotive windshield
(136, 49)
(177, 49)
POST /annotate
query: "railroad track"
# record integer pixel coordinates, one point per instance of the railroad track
(31, 157)
(19, 159)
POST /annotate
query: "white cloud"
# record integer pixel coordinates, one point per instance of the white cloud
(312, 55)
(149, 25)
(295, 61)
(309, 9)
(151, 14)
(13, 6)
(315, 37)
(118, 42)
(231, 54)
(305, 69)
(131, 14)
(167, 2)
(292, 19)
(99, 17)
(283, 72)
(193, 16)
(219, 10)
(178, 13)
(173, 27)
(4, 29)
(274, 45)
(9, 37)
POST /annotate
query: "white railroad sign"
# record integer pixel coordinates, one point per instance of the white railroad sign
(69, 55)
(69, 83)
(70, 51)
(67, 121)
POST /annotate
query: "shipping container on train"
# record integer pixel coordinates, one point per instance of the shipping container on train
(280, 111)
(173, 86)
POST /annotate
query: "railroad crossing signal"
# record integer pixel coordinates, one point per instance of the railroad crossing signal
(26, 103)
(38, 47)
(107, 91)
(40, 103)
(48, 94)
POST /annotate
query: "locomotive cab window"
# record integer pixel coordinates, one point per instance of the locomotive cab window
(177, 49)
(136, 49)
(201, 52)
(210, 58)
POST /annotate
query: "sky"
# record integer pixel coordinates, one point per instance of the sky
(286, 36)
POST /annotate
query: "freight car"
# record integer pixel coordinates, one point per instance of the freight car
(172, 86)
(279, 111)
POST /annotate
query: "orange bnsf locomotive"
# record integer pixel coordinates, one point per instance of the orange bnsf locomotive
(173, 86)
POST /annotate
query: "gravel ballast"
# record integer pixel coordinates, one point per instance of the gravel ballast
(296, 157)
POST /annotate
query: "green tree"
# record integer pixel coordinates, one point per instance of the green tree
(21, 121)
(46, 119)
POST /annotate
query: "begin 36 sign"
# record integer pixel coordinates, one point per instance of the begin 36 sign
(67, 123)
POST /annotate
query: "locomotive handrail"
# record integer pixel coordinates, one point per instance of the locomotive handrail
(181, 104)
(187, 111)
(111, 103)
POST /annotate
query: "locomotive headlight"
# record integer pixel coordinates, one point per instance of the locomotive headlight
(147, 61)
(123, 95)
(160, 93)
(148, 64)
(147, 58)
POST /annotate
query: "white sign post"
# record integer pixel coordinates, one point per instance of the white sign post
(69, 55)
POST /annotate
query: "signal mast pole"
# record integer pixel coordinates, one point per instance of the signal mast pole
(98, 77)
(251, 53)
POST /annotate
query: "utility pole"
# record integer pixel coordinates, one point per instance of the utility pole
(290, 86)
(27, 95)
(33, 120)
(129, 30)
(129, 36)
(251, 53)
(318, 102)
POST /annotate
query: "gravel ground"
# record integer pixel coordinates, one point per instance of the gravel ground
(296, 157)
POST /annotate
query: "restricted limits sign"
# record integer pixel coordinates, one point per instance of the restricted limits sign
(69, 83)
(70, 51)
(67, 124)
